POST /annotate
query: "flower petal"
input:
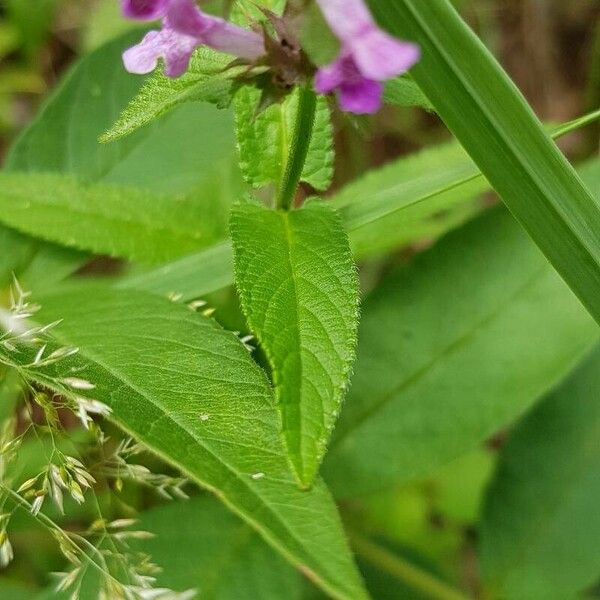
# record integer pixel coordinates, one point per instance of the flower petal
(235, 40)
(330, 77)
(361, 97)
(176, 50)
(379, 56)
(144, 10)
(185, 17)
(347, 18)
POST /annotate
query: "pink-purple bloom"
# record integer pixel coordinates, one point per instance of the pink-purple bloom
(184, 28)
(369, 56)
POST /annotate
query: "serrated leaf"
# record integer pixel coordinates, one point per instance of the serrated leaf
(298, 288)
(204, 81)
(541, 524)
(191, 392)
(263, 140)
(114, 220)
(224, 558)
(451, 349)
(492, 120)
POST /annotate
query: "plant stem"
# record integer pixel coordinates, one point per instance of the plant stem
(305, 119)
(578, 123)
(404, 571)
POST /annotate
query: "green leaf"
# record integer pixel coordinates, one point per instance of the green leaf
(191, 392)
(438, 205)
(451, 349)
(495, 125)
(298, 288)
(172, 155)
(263, 140)
(10, 392)
(224, 558)
(541, 525)
(403, 91)
(189, 277)
(64, 138)
(15, 252)
(105, 219)
(204, 81)
(417, 197)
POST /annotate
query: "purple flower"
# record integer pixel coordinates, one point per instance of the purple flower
(184, 28)
(368, 57)
(144, 10)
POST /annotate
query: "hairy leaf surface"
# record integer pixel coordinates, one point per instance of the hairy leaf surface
(541, 524)
(264, 137)
(191, 392)
(493, 122)
(298, 288)
(452, 348)
(204, 81)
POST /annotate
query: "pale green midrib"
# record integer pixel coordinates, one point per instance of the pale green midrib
(560, 500)
(301, 456)
(353, 224)
(450, 348)
(261, 528)
(582, 241)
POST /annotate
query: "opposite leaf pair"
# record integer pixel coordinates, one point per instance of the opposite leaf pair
(368, 56)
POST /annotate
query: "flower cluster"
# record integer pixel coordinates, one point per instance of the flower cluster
(369, 56)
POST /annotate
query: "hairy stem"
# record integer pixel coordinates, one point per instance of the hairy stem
(302, 134)
(404, 571)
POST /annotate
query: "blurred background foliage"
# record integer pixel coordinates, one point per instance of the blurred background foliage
(551, 48)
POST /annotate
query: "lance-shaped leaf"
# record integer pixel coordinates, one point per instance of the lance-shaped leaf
(491, 119)
(191, 392)
(206, 80)
(298, 289)
(541, 523)
(452, 348)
